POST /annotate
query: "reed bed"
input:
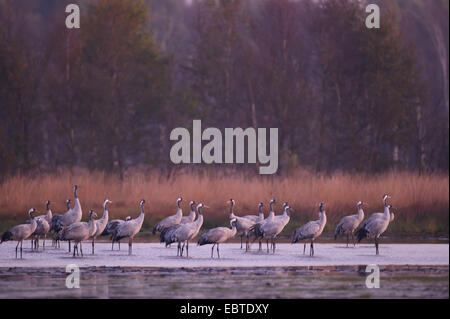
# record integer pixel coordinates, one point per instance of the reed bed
(420, 201)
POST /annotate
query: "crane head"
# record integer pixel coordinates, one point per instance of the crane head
(321, 207)
(358, 204)
(142, 202)
(31, 212)
(92, 214)
(261, 204)
(47, 203)
(127, 218)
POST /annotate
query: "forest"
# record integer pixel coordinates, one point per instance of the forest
(106, 96)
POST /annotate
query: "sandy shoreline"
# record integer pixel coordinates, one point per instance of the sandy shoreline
(286, 255)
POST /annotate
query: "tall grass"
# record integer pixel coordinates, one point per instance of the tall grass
(420, 201)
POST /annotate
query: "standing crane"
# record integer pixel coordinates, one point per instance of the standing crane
(311, 230)
(79, 231)
(187, 231)
(218, 235)
(348, 224)
(243, 224)
(101, 223)
(130, 228)
(71, 216)
(43, 226)
(171, 220)
(376, 227)
(255, 229)
(111, 227)
(20, 232)
(271, 229)
(54, 228)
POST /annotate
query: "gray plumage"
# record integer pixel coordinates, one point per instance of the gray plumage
(376, 215)
(171, 220)
(130, 228)
(376, 227)
(218, 235)
(79, 231)
(186, 232)
(43, 226)
(311, 230)
(348, 224)
(101, 223)
(73, 215)
(271, 229)
(256, 218)
(166, 234)
(111, 227)
(243, 225)
(191, 217)
(255, 230)
(21, 232)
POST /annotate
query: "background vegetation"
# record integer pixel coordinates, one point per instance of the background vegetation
(360, 112)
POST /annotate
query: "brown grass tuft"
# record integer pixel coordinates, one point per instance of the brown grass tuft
(418, 199)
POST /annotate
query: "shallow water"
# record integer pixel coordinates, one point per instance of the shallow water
(216, 283)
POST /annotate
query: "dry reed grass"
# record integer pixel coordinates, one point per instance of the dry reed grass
(418, 199)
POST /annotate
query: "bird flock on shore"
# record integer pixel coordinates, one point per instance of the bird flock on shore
(180, 230)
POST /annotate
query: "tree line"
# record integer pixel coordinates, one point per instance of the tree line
(107, 95)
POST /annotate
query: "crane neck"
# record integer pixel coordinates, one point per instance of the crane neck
(192, 213)
(49, 214)
(360, 213)
(323, 217)
(33, 223)
(387, 213)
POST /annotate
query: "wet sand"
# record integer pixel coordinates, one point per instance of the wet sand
(156, 255)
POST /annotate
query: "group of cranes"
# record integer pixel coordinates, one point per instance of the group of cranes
(181, 229)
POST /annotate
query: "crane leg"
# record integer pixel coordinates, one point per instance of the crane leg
(182, 249)
(17, 246)
(260, 245)
(347, 240)
(93, 245)
(81, 249)
(273, 245)
(130, 246)
(311, 250)
(187, 248)
(304, 247)
(74, 248)
(267, 242)
(212, 251)
(21, 242)
(112, 244)
(43, 244)
(247, 244)
(69, 246)
(218, 254)
(376, 245)
(118, 244)
(241, 241)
